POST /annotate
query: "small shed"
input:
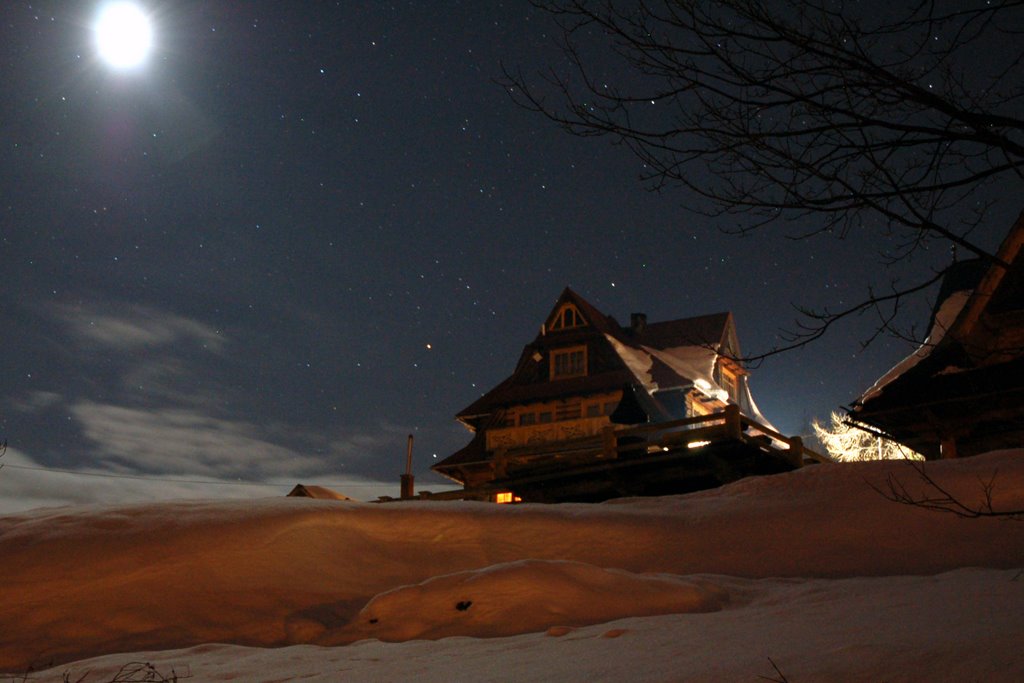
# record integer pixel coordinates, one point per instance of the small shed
(318, 492)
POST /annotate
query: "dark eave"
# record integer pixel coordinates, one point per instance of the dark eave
(474, 451)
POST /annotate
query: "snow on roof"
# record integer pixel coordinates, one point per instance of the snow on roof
(693, 364)
(80, 582)
(638, 361)
(944, 319)
(967, 288)
(318, 492)
(690, 365)
(751, 409)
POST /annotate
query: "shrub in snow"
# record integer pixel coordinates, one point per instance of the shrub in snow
(846, 442)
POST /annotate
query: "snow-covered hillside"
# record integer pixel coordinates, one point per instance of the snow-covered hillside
(811, 570)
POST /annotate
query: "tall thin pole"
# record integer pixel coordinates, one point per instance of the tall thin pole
(407, 479)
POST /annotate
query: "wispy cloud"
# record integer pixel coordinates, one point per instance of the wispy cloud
(25, 485)
(355, 447)
(176, 440)
(156, 395)
(142, 354)
(166, 379)
(35, 401)
(139, 327)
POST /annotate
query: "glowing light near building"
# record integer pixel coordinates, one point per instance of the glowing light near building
(506, 497)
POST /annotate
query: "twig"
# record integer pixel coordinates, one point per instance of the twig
(136, 672)
(935, 497)
(780, 677)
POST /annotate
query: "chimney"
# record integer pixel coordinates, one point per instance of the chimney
(638, 322)
(407, 479)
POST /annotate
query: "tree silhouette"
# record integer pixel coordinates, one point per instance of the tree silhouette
(897, 124)
(928, 494)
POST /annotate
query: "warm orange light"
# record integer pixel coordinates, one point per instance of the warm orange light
(507, 497)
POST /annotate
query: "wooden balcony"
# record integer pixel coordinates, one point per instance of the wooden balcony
(653, 459)
(536, 435)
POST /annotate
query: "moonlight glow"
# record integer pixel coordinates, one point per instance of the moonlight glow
(123, 34)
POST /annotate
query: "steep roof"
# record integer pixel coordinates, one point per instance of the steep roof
(703, 330)
(595, 318)
(659, 355)
(964, 379)
(967, 290)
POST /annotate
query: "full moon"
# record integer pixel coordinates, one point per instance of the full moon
(123, 34)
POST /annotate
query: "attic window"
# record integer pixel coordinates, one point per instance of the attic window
(568, 317)
(569, 362)
(729, 384)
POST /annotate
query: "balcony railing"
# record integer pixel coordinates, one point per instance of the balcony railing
(594, 440)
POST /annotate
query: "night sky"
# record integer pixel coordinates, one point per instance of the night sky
(302, 231)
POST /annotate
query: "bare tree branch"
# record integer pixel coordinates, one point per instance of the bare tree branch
(814, 324)
(897, 124)
(935, 497)
(779, 676)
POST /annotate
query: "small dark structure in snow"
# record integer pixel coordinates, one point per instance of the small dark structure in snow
(962, 392)
(319, 492)
(595, 410)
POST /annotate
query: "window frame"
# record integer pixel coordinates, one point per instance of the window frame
(558, 322)
(572, 369)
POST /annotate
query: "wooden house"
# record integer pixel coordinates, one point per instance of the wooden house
(962, 392)
(595, 410)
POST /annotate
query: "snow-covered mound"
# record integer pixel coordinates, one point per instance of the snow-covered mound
(813, 569)
(538, 593)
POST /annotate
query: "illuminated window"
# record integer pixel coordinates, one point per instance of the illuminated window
(729, 384)
(506, 497)
(695, 405)
(570, 362)
(567, 318)
(727, 376)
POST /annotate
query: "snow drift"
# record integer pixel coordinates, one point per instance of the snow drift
(811, 568)
(539, 593)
